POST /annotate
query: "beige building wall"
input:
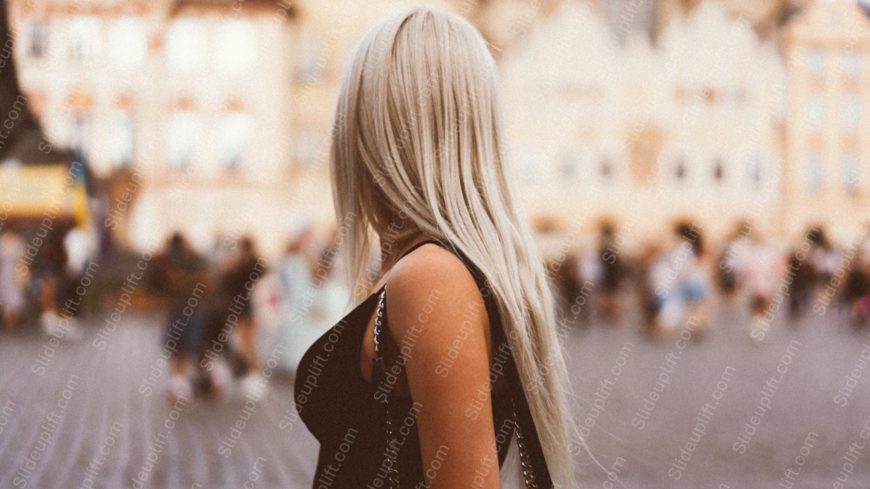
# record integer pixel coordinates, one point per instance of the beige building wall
(765, 16)
(645, 135)
(189, 95)
(827, 50)
(222, 108)
(226, 112)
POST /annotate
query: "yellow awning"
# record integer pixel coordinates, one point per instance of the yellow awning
(42, 191)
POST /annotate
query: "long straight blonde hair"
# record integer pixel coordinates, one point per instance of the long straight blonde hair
(418, 140)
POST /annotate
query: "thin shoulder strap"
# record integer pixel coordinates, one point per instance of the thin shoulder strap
(421, 243)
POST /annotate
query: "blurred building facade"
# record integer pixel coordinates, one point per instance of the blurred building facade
(643, 133)
(636, 111)
(190, 96)
(220, 108)
(827, 51)
(766, 17)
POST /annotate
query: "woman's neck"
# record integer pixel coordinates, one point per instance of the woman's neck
(392, 248)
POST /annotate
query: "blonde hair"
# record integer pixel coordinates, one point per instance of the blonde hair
(417, 138)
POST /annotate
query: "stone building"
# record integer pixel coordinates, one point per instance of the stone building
(645, 134)
(827, 52)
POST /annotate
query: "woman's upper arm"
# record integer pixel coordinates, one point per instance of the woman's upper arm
(437, 315)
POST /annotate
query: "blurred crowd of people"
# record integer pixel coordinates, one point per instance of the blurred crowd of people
(224, 307)
(226, 310)
(40, 279)
(209, 333)
(681, 282)
(227, 307)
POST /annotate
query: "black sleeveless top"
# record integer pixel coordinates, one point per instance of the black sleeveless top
(341, 409)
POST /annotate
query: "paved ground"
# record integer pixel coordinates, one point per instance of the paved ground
(186, 448)
(796, 411)
(84, 423)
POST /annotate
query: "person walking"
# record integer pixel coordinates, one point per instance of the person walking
(13, 277)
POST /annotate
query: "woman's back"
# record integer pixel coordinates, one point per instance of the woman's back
(340, 401)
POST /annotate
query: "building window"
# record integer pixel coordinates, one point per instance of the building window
(680, 170)
(815, 110)
(84, 39)
(81, 133)
(756, 172)
(236, 132)
(186, 45)
(850, 114)
(605, 169)
(849, 172)
(710, 95)
(38, 40)
(816, 62)
(852, 64)
(311, 58)
(307, 144)
(644, 146)
(128, 42)
(718, 171)
(236, 46)
(567, 168)
(814, 173)
(530, 165)
(185, 129)
(121, 139)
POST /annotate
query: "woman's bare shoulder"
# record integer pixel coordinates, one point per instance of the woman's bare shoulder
(433, 281)
(430, 268)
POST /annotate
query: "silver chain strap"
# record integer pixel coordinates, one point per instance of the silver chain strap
(525, 457)
(392, 450)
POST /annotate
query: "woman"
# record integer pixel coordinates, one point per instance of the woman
(420, 384)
